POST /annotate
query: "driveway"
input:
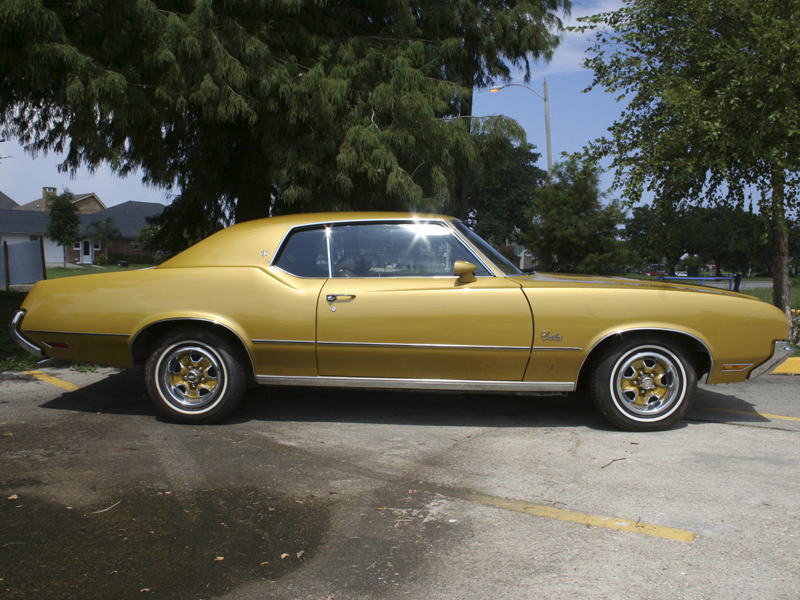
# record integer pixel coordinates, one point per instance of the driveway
(321, 494)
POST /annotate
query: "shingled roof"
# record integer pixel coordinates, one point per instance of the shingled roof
(6, 203)
(129, 218)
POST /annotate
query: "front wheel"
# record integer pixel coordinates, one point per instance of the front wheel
(195, 376)
(643, 384)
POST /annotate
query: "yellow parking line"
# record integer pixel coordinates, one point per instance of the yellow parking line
(750, 412)
(550, 512)
(55, 381)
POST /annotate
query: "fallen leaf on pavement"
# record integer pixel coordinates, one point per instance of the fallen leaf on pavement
(13, 497)
(219, 558)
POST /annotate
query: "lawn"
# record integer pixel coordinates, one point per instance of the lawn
(71, 271)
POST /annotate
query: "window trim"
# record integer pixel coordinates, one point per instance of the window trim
(328, 225)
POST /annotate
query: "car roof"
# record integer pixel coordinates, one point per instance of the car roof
(253, 243)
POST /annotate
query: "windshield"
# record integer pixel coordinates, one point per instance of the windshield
(500, 261)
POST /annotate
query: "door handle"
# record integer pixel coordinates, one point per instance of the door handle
(334, 297)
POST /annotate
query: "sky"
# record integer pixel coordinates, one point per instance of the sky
(575, 119)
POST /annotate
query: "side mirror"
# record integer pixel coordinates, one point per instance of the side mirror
(465, 271)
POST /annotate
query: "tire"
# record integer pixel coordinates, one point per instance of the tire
(643, 383)
(195, 376)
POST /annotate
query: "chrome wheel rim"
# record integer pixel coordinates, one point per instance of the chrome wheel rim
(192, 377)
(649, 382)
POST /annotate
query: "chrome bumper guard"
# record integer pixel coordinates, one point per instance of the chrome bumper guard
(16, 335)
(780, 352)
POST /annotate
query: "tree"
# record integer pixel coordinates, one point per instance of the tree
(569, 229)
(501, 195)
(63, 224)
(657, 232)
(104, 232)
(713, 110)
(256, 108)
(483, 39)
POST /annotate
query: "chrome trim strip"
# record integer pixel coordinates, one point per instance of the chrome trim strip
(564, 349)
(780, 352)
(304, 342)
(739, 367)
(449, 346)
(622, 331)
(125, 335)
(452, 385)
(16, 335)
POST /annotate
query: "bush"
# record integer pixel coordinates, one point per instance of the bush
(135, 259)
(100, 260)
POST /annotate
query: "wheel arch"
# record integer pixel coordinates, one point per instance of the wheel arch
(698, 350)
(145, 339)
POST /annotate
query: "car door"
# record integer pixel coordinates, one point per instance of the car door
(394, 309)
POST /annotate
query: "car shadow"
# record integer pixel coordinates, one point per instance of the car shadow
(124, 393)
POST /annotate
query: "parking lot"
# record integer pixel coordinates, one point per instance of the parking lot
(321, 494)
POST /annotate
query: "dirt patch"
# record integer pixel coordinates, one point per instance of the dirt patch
(176, 545)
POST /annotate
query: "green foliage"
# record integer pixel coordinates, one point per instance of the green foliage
(501, 194)
(104, 232)
(63, 223)
(255, 108)
(569, 229)
(713, 112)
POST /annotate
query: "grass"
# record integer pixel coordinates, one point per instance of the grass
(59, 272)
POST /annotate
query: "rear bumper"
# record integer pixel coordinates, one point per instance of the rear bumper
(780, 352)
(16, 335)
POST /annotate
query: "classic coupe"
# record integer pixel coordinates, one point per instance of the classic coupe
(396, 301)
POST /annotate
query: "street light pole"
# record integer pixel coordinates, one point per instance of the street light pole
(546, 99)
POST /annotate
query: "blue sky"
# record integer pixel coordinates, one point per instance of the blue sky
(575, 119)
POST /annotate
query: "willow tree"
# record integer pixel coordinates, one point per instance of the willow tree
(256, 107)
(713, 112)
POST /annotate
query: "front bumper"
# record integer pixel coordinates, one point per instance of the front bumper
(16, 335)
(780, 352)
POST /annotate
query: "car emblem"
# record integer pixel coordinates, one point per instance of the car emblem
(546, 337)
(264, 253)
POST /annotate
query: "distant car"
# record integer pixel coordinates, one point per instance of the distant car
(396, 301)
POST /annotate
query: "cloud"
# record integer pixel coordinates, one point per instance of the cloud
(570, 54)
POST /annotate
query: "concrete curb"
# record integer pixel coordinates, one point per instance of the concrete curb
(790, 367)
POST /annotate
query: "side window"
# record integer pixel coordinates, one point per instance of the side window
(305, 253)
(397, 250)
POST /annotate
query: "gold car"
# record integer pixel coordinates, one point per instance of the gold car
(396, 301)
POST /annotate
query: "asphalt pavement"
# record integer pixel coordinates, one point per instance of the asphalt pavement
(337, 494)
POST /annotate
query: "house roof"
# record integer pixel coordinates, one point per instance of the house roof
(38, 205)
(22, 221)
(129, 218)
(6, 202)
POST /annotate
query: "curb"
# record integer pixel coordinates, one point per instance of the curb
(790, 367)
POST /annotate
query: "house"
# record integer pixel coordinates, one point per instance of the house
(86, 203)
(129, 217)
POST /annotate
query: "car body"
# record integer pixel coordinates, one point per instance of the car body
(396, 301)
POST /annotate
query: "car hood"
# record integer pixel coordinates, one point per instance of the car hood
(562, 280)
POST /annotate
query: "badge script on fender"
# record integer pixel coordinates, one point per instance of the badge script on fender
(546, 337)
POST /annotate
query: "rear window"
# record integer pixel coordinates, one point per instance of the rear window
(305, 253)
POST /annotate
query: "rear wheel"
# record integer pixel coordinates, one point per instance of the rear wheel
(643, 384)
(195, 376)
